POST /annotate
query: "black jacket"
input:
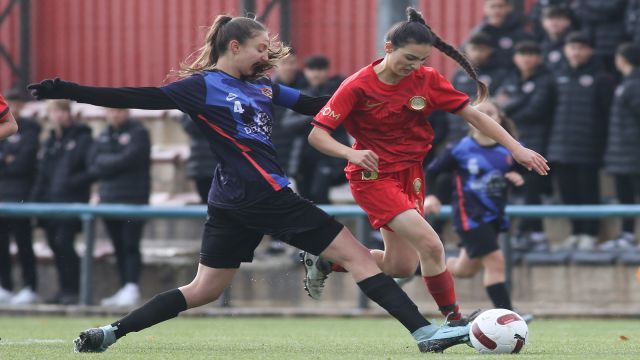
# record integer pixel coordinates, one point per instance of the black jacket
(632, 21)
(202, 162)
(553, 52)
(121, 161)
(18, 160)
(492, 76)
(578, 130)
(504, 38)
(63, 173)
(530, 106)
(603, 20)
(623, 146)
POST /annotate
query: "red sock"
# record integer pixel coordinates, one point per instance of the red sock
(338, 268)
(442, 289)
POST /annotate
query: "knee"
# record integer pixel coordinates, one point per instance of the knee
(198, 294)
(431, 248)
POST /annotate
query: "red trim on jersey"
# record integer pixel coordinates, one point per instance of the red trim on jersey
(463, 213)
(245, 150)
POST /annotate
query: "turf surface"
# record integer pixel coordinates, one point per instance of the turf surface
(303, 338)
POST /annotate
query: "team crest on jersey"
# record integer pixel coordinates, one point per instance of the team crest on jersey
(267, 92)
(417, 185)
(586, 80)
(528, 87)
(554, 56)
(369, 175)
(417, 103)
(124, 139)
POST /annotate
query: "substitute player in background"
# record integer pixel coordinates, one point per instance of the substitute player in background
(225, 92)
(8, 125)
(482, 169)
(384, 107)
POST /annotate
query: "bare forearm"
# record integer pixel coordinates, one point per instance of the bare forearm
(322, 141)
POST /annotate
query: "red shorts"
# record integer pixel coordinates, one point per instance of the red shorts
(384, 196)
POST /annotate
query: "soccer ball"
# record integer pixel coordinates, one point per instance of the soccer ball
(498, 331)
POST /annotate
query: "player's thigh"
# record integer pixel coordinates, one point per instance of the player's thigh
(399, 253)
(411, 226)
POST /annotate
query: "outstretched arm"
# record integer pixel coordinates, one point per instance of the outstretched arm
(149, 98)
(526, 157)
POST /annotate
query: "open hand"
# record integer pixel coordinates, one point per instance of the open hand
(531, 160)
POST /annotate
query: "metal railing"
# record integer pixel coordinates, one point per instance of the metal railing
(89, 213)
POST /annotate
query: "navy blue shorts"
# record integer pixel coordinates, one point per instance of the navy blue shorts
(482, 240)
(231, 235)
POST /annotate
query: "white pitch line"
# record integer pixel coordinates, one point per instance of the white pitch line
(32, 341)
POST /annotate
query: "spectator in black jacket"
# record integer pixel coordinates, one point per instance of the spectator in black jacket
(622, 158)
(536, 15)
(121, 161)
(63, 177)
(201, 163)
(479, 49)
(556, 22)
(603, 21)
(632, 21)
(17, 173)
(526, 97)
(314, 173)
(576, 145)
(289, 74)
(505, 29)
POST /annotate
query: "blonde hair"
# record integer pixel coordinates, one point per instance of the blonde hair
(223, 30)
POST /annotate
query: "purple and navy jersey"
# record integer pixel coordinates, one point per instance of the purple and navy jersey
(236, 116)
(480, 188)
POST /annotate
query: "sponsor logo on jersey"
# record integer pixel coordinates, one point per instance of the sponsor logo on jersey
(231, 96)
(330, 113)
(370, 105)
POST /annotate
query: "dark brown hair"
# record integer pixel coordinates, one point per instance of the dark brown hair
(415, 30)
(223, 30)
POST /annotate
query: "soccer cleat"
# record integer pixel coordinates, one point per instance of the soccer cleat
(316, 270)
(451, 333)
(95, 340)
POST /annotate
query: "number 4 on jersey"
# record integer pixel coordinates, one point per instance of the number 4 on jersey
(237, 107)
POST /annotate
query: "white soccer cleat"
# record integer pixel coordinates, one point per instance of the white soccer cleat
(24, 297)
(316, 271)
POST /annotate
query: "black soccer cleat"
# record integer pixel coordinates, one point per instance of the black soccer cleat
(94, 340)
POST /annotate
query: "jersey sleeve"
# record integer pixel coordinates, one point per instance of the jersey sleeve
(337, 109)
(4, 110)
(189, 93)
(284, 95)
(442, 95)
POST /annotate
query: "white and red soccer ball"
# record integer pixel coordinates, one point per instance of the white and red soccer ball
(498, 331)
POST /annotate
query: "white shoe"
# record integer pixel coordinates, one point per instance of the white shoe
(5, 296)
(128, 295)
(587, 243)
(570, 243)
(24, 297)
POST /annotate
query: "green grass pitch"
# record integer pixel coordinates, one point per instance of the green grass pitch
(303, 338)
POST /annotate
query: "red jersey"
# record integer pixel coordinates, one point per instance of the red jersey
(390, 120)
(4, 110)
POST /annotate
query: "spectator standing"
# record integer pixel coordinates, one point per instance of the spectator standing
(578, 133)
(526, 97)
(313, 171)
(120, 162)
(63, 177)
(556, 23)
(18, 155)
(623, 149)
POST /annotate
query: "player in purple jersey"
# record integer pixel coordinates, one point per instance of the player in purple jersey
(225, 92)
(482, 169)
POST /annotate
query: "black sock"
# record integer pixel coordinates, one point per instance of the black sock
(499, 296)
(161, 307)
(386, 293)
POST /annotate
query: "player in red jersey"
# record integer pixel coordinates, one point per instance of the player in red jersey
(384, 106)
(8, 125)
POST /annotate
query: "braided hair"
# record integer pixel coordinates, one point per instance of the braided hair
(416, 30)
